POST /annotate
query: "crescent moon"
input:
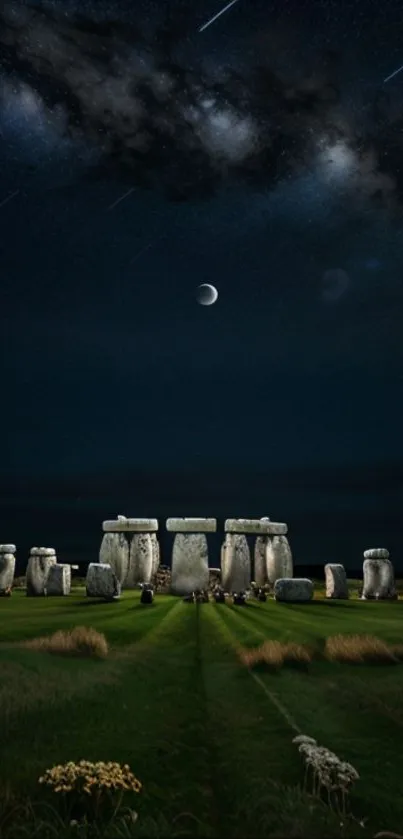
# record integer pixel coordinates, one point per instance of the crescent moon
(206, 294)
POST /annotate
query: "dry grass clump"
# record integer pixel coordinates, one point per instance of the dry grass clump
(360, 649)
(80, 641)
(276, 654)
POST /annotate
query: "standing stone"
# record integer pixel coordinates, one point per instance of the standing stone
(59, 580)
(260, 571)
(7, 566)
(101, 581)
(236, 570)
(156, 553)
(379, 578)
(190, 571)
(278, 559)
(336, 581)
(114, 551)
(140, 560)
(39, 563)
(293, 590)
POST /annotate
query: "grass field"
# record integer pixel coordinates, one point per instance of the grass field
(210, 740)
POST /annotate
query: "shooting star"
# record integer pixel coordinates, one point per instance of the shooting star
(393, 74)
(9, 197)
(122, 197)
(146, 248)
(228, 6)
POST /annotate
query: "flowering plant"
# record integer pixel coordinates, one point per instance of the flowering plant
(89, 789)
(328, 771)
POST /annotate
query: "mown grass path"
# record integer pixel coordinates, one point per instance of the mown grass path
(210, 740)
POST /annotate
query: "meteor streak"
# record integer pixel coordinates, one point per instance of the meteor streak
(393, 74)
(205, 25)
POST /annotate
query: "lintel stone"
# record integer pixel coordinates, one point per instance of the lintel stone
(255, 526)
(7, 549)
(122, 525)
(189, 525)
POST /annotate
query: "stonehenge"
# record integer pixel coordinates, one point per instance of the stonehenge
(293, 590)
(7, 567)
(190, 569)
(129, 555)
(131, 548)
(378, 574)
(336, 581)
(39, 564)
(102, 582)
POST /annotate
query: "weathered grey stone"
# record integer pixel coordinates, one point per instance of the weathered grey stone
(37, 573)
(140, 560)
(114, 551)
(379, 580)
(336, 581)
(7, 549)
(278, 559)
(59, 580)
(124, 525)
(101, 581)
(7, 570)
(255, 526)
(236, 568)
(293, 589)
(260, 569)
(43, 552)
(155, 545)
(188, 525)
(376, 553)
(190, 570)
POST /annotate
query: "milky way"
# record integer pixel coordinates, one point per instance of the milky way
(160, 125)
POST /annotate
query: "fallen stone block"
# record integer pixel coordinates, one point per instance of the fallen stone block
(293, 590)
(102, 582)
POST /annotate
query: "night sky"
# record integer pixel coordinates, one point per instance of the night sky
(140, 157)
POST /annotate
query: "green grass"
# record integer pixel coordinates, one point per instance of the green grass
(210, 740)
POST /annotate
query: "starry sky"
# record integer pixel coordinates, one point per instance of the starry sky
(140, 157)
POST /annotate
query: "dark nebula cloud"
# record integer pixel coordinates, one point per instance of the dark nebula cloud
(154, 121)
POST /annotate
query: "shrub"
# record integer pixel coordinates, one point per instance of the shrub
(275, 654)
(81, 641)
(358, 649)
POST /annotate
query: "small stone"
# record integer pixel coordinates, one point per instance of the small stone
(336, 581)
(293, 590)
(101, 581)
